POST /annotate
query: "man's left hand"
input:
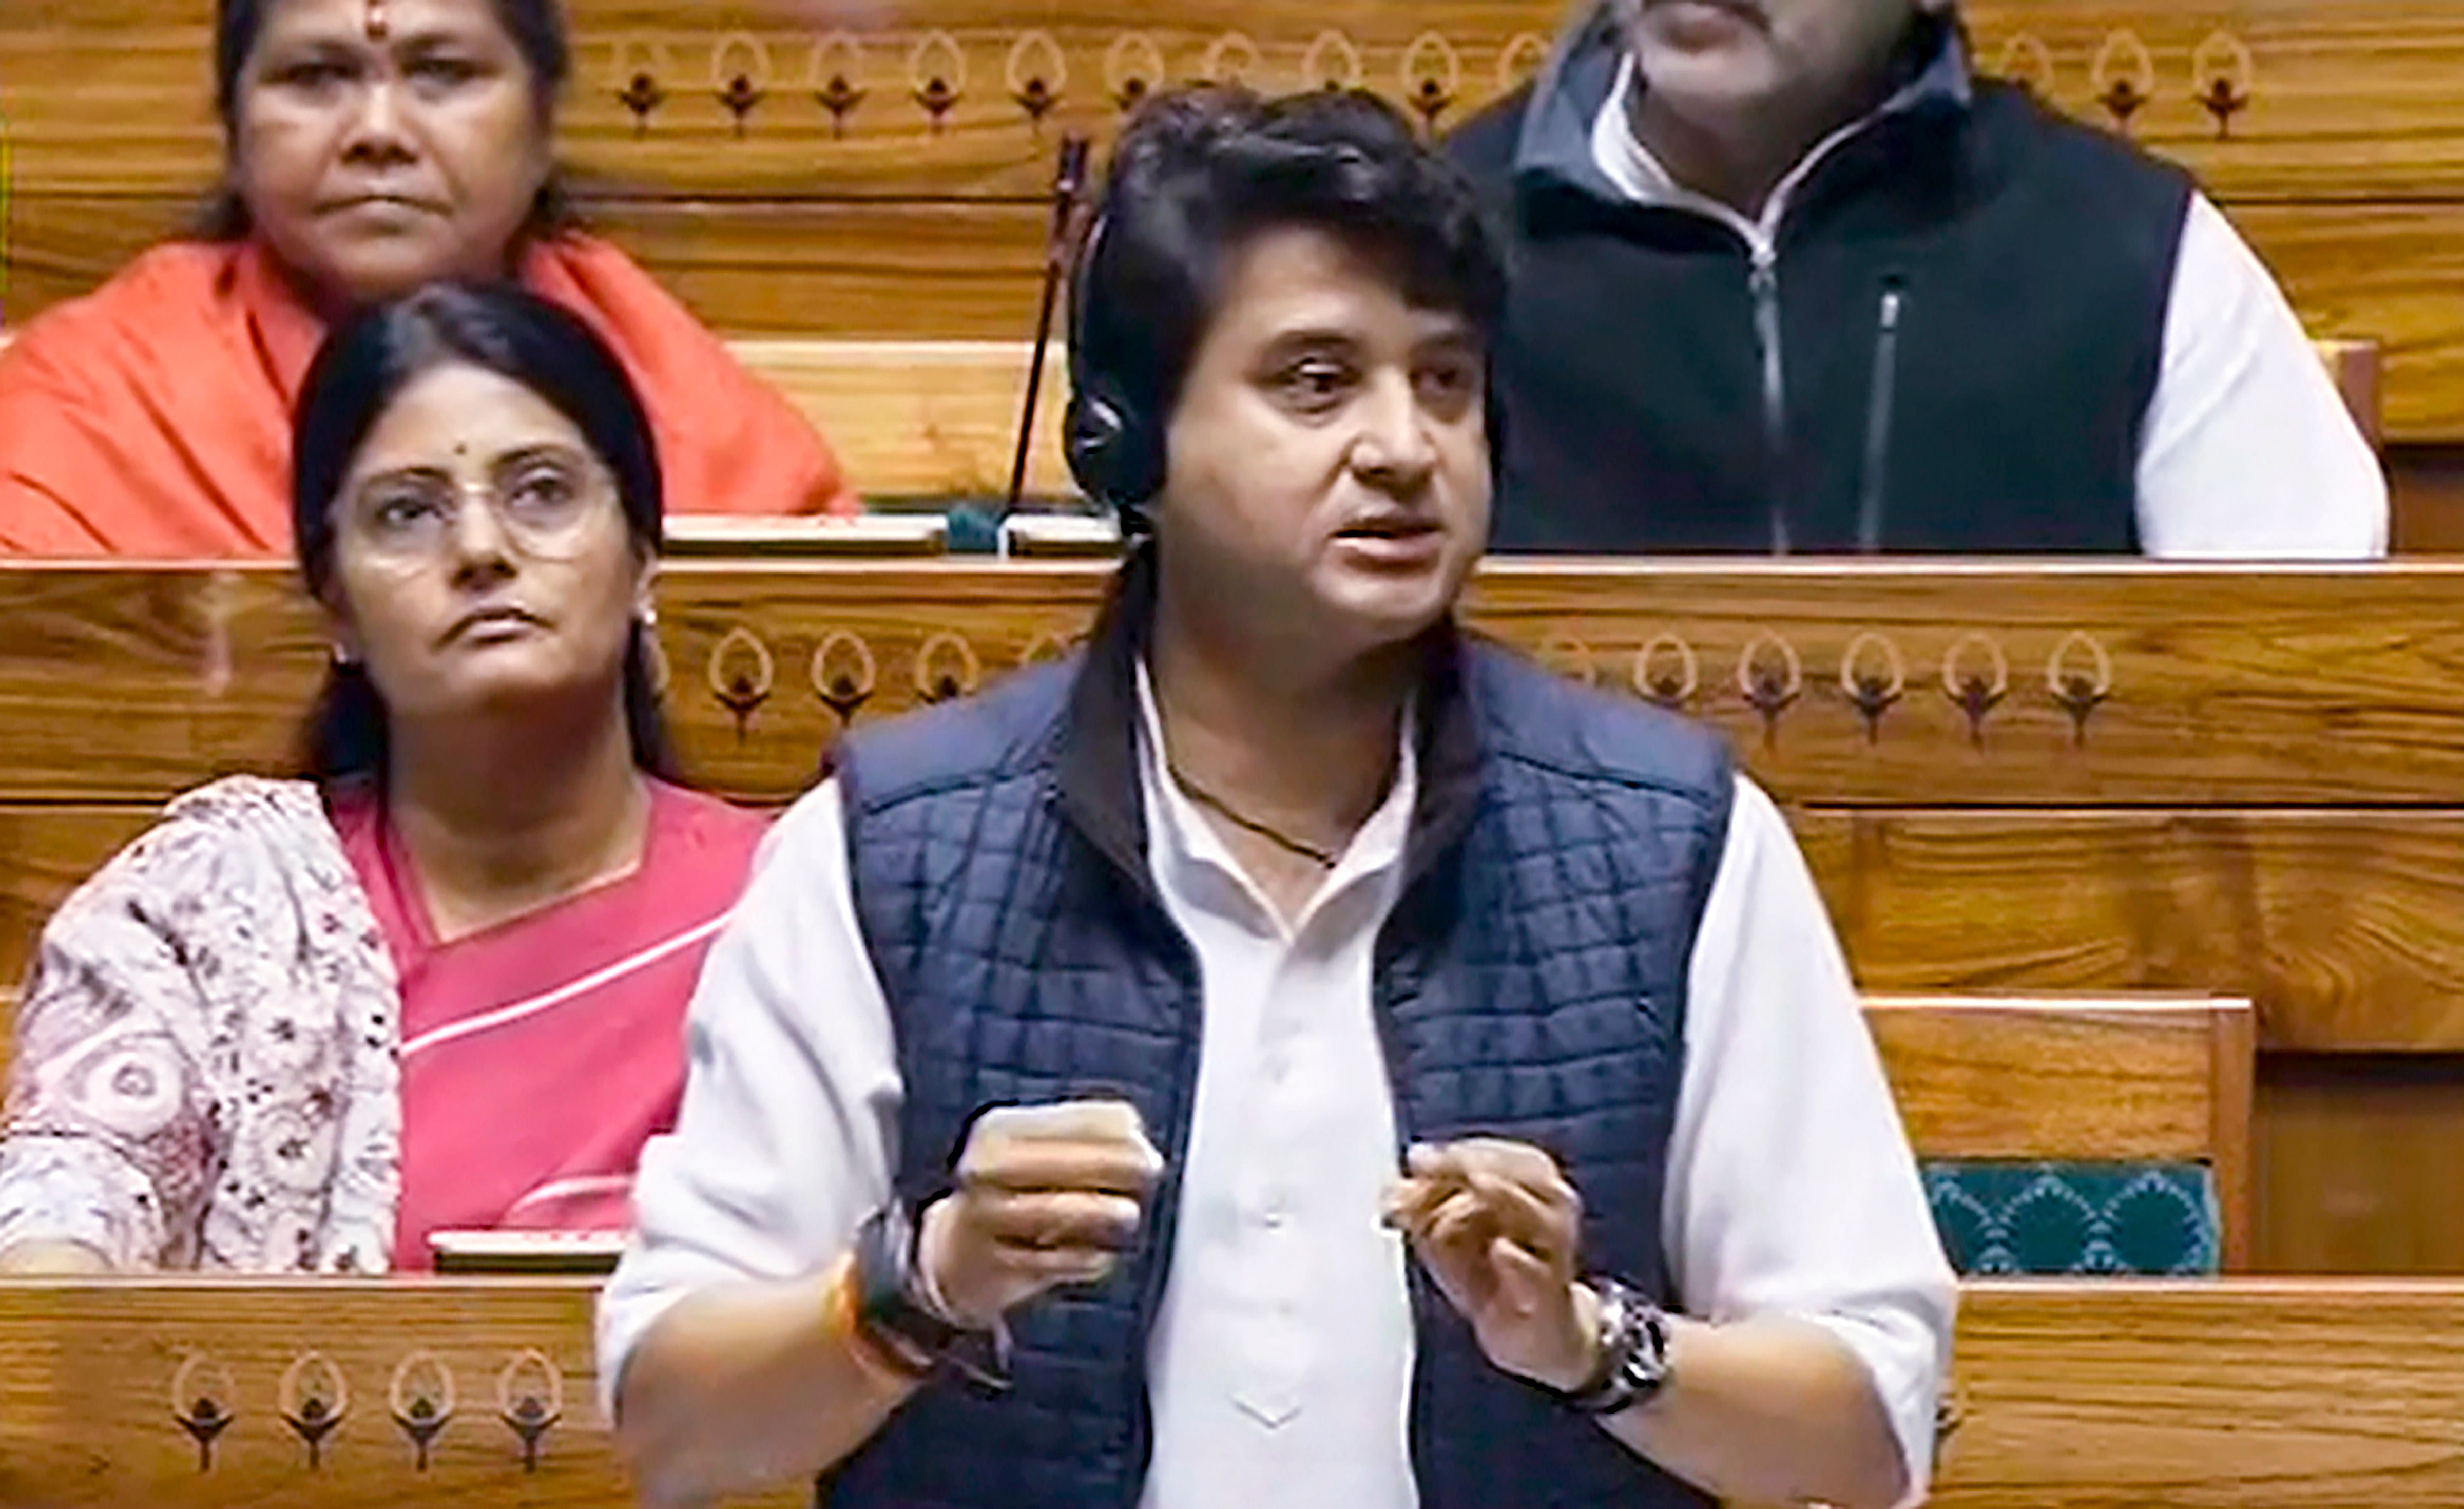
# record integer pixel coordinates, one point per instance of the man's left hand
(1499, 1229)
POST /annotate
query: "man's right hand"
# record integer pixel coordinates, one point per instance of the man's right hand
(1046, 1195)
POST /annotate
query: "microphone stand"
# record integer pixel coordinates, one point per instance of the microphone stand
(1068, 185)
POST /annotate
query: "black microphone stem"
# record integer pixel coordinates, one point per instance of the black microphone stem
(1067, 185)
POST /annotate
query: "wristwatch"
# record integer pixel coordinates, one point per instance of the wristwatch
(1633, 1353)
(897, 1313)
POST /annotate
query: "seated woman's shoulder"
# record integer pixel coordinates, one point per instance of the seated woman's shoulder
(127, 312)
(234, 812)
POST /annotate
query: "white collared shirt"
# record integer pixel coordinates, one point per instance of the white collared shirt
(2247, 452)
(1280, 1361)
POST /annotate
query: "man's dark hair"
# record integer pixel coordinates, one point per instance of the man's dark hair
(1199, 172)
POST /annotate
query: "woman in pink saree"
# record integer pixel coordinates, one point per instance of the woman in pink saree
(302, 1026)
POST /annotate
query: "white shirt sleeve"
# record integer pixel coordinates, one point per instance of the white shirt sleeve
(2248, 451)
(785, 1138)
(1792, 1189)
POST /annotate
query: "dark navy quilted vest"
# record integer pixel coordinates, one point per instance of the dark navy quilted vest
(1530, 983)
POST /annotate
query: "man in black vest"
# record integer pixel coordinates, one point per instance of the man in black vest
(1291, 1054)
(1789, 277)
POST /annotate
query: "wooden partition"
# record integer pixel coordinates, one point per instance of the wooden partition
(2078, 1079)
(873, 171)
(2041, 777)
(939, 419)
(2067, 1396)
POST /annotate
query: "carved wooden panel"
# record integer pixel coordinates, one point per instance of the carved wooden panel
(1918, 684)
(2332, 99)
(376, 1395)
(2247, 1393)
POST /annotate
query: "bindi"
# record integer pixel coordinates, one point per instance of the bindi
(379, 23)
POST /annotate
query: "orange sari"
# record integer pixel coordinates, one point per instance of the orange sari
(153, 418)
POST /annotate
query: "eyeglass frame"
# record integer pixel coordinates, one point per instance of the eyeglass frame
(559, 539)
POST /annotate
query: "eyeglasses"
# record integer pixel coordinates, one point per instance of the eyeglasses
(545, 501)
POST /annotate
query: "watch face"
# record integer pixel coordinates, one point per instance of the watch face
(1646, 1362)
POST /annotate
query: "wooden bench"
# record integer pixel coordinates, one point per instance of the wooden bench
(938, 419)
(927, 419)
(2069, 1395)
(2058, 778)
(2079, 1080)
(882, 181)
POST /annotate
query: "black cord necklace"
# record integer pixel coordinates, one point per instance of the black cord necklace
(1323, 857)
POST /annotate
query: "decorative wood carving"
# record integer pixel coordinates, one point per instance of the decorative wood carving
(2227, 76)
(739, 75)
(2124, 77)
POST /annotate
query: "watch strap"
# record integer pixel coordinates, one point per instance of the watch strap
(899, 1316)
(1633, 1353)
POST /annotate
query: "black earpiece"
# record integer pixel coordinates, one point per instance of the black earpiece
(1115, 448)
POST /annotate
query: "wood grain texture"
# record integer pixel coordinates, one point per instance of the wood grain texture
(2426, 488)
(87, 1417)
(2051, 1077)
(2384, 271)
(2099, 1394)
(2323, 687)
(2340, 100)
(2356, 1164)
(45, 852)
(2326, 686)
(2347, 928)
(919, 270)
(2078, 1079)
(142, 119)
(938, 419)
(897, 268)
(926, 418)
(2217, 1394)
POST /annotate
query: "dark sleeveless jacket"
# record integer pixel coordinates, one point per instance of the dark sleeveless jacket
(1530, 983)
(1951, 344)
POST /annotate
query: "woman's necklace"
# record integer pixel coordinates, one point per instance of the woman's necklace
(1323, 857)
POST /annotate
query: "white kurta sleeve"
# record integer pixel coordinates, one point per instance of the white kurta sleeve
(1792, 1189)
(2248, 451)
(785, 1138)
